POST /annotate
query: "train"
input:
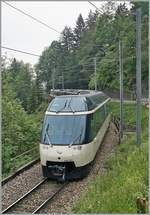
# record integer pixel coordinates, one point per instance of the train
(74, 125)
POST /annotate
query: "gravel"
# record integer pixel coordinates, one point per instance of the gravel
(68, 198)
(19, 185)
(36, 198)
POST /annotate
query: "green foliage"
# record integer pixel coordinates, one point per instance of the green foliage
(92, 37)
(20, 130)
(79, 30)
(129, 115)
(70, 59)
(126, 177)
(116, 192)
(19, 79)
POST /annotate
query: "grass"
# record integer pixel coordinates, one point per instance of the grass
(126, 177)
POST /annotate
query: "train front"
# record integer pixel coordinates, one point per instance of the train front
(61, 150)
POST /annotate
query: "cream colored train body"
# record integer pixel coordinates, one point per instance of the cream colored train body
(73, 129)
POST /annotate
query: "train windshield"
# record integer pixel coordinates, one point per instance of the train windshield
(64, 130)
(67, 104)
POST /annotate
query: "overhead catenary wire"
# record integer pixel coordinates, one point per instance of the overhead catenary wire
(20, 51)
(81, 79)
(32, 17)
(88, 66)
(37, 21)
(95, 7)
(91, 64)
(51, 29)
(65, 68)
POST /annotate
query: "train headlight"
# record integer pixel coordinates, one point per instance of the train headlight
(45, 147)
(79, 147)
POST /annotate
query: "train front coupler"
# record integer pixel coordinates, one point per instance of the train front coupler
(58, 171)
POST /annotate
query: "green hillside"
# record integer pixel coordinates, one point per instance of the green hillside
(126, 177)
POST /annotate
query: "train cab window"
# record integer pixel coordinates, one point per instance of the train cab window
(56, 104)
(64, 130)
(69, 104)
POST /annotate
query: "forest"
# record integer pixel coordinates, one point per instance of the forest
(69, 63)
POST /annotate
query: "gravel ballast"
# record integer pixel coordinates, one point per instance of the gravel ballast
(18, 186)
(68, 198)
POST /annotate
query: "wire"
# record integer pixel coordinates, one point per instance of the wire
(83, 79)
(95, 6)
(67, 81)
(16, 50)
(78, 66)
(65, 69)
(35, 19)
(87, 67)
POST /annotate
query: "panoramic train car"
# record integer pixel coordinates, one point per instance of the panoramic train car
(73, 129)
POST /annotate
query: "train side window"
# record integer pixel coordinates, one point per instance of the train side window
(92, 128)
(108, 107)
(105, 110)
(91, 132)
(95, 124)
(102, 115)
(95, 121)
(89, 103)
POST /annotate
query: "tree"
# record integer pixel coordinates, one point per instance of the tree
(19, 131)
(144, 5)
(91, 20)
(98, 37)
(67, 40)
(79, 30)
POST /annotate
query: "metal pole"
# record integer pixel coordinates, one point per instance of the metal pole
(63, 81)
(95, 73)
(138, 76)
(53, 78)
(121, 87)
(149, 97)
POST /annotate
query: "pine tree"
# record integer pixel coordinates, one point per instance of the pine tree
(91, 20)
(67, 40)
(79, 30)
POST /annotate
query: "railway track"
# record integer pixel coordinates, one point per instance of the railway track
(35, 199)
(20, 170)
(38, 199)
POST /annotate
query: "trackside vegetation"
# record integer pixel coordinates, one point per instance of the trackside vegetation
(20, 135)
(126, 177)
(21, 124)
(25, 88)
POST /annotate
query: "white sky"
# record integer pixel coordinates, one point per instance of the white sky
(22, 33)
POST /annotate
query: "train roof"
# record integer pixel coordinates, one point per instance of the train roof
(75, 92)
(76, 100)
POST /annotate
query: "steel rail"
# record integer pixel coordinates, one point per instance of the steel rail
(50, 198)
(25, 195)
(20, 170)
(64, 185)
